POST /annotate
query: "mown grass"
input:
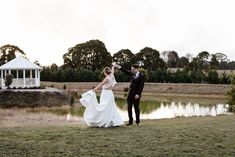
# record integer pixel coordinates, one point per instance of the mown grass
(196, 136)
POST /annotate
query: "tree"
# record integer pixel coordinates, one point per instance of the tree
(214, 63)
(221, 57)
(202, 61)
(213, 77)
(172, 58)
(9, 52)
(204, 55)
(160, 75)
(149, 59)
(193, 65)
(124, 57)
(223, 61)
(182, 62)
(89, 55)
(46, 74)
(196, 76)
(68, 63)
(189, 56)
(145, 73)
(231, 96)
(54, 67)
(164, 55)
(225, 78)
(231, 65)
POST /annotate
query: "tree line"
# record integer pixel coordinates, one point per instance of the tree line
(85, 61)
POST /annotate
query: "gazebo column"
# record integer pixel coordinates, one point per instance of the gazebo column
(38, 78)
(31, 76)
(17, 78)
(24, 77)
(2, 78)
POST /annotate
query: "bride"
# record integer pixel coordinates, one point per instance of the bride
(105, 113)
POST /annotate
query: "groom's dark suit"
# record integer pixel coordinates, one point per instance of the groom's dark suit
(136, 88)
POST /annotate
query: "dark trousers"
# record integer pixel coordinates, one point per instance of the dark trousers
(130, 102)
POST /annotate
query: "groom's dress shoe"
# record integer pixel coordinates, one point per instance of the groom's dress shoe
(128, 124)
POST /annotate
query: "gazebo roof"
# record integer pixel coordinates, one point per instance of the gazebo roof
(19, 63)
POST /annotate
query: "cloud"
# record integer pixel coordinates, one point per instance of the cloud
(45, 29)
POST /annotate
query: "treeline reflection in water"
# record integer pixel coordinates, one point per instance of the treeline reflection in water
(149, 109)
(159, 110)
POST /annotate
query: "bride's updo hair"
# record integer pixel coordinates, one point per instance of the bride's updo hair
(107, 70)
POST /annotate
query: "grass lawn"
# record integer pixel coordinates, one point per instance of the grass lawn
(196, 136)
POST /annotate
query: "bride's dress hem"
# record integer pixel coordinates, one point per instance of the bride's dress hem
(103, 114)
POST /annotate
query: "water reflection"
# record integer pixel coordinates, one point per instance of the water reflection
(173, 110)
(166, 110)
(180, 110)
(149, 110)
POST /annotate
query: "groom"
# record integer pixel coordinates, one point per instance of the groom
(136, 88)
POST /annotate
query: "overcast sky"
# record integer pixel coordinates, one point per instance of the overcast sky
(45, 29)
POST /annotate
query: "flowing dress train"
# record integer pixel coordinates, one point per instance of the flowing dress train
(103, 114)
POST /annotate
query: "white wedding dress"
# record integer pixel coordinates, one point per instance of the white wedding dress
(105, 113)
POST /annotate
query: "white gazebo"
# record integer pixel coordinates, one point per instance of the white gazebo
(25, 73)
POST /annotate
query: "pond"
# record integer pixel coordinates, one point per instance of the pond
(151, 108)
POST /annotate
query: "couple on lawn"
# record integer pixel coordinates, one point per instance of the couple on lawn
(105, 113)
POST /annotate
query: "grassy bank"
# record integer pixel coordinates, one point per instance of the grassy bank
(156, 89)
(196, 136)
(11, 98)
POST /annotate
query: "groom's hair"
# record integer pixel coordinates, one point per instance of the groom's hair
(136, 66)
(107, 70)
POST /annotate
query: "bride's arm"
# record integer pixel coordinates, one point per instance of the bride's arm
(101, 84)
(124, 70)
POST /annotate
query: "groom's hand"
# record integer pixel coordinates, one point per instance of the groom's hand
(137, 96)
(117, 66)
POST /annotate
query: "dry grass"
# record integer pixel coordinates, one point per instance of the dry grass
(196, 136)
(156, 89)
(23, 118)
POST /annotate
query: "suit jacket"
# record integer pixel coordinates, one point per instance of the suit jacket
(137, 84)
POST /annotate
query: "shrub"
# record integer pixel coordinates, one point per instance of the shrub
(225, 79)
(231, 96)
(125, 89)
(41, 87)
(71, 100)
(8, 80)
(196, 76)
(145, 73)
(213, 77)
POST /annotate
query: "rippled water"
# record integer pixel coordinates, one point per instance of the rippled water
(160, 110)
(173, 110)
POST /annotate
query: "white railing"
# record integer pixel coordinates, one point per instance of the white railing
(29, 82)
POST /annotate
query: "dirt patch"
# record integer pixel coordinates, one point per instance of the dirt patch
(21, 118)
